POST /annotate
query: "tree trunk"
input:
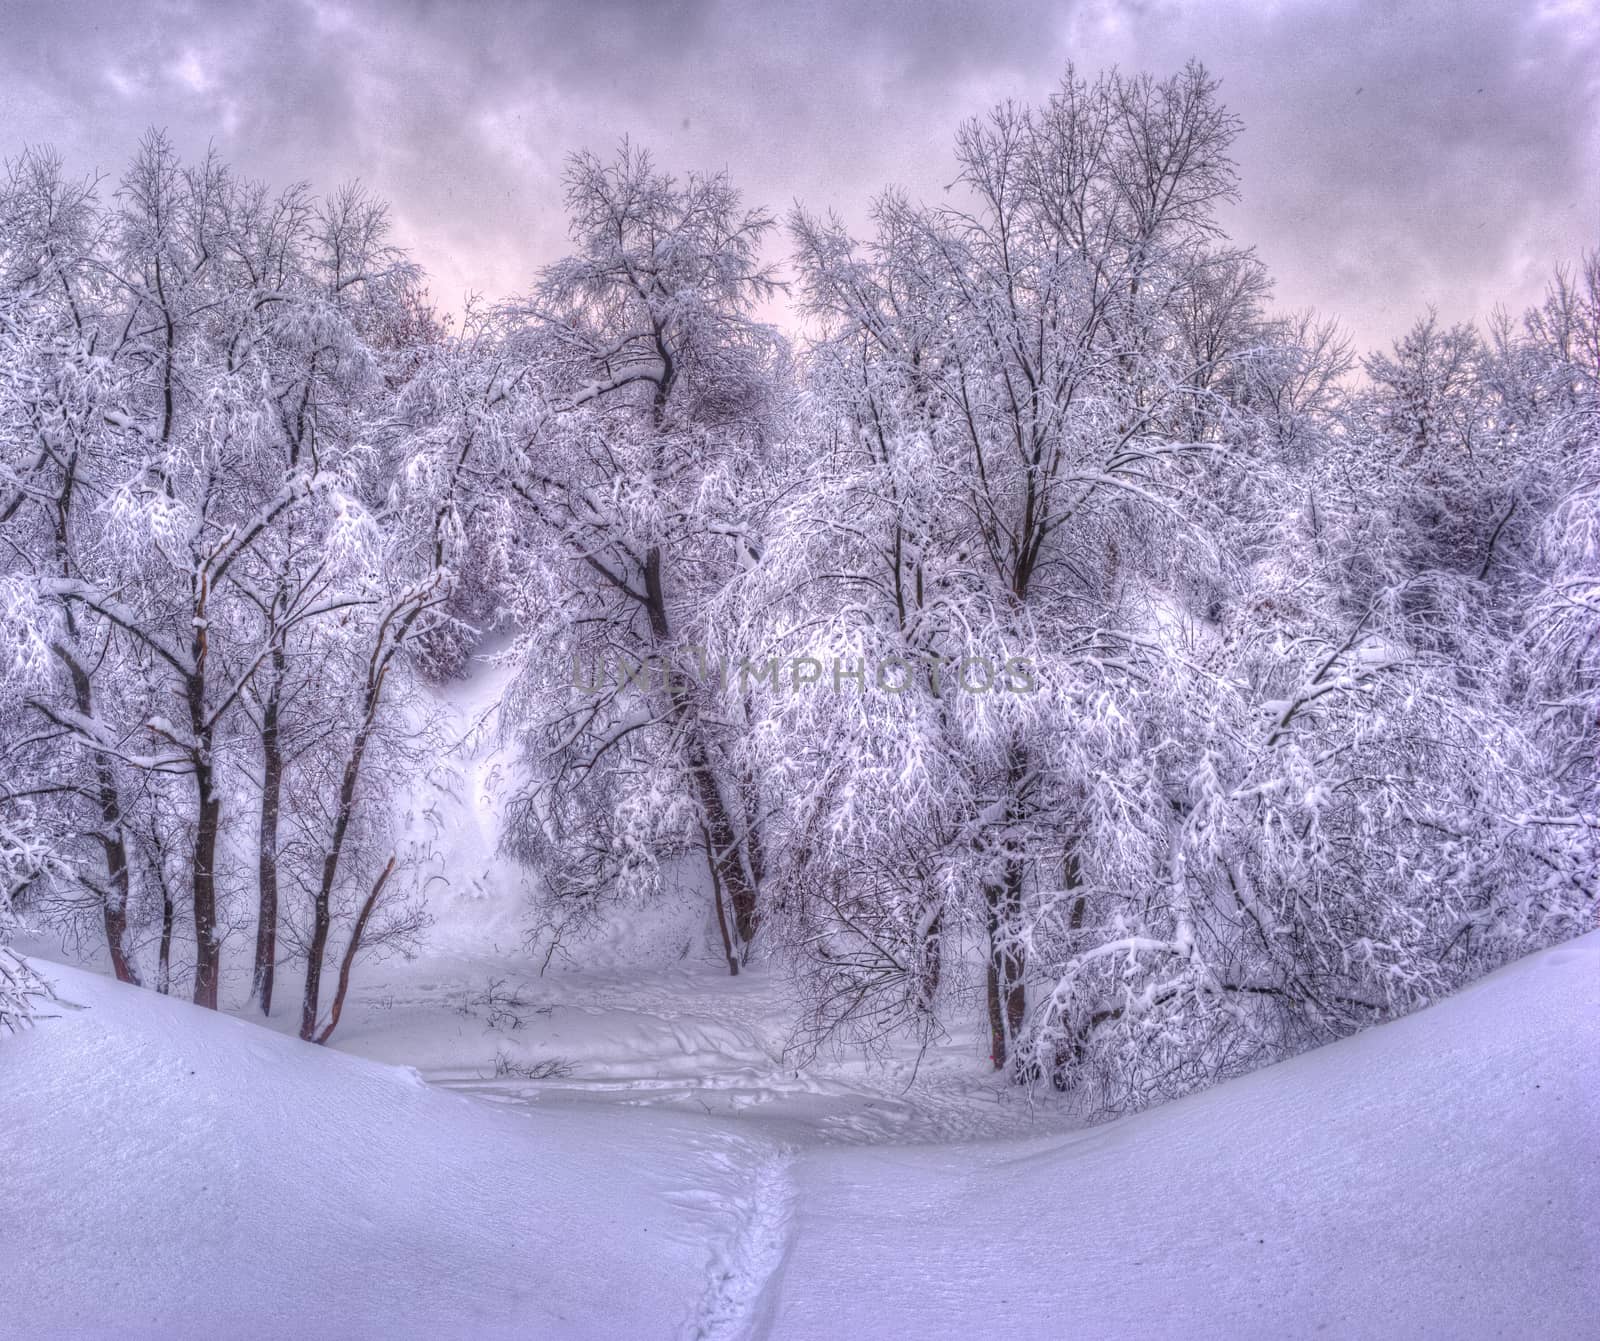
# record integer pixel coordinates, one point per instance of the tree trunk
(116, 921)
(378, 670)
(724, 850)
(267, 859)
(350, 951)
(114, 901)
(725, 846)
(309, 1001)
(208, 813)
(1007, 993)
(323, 910)
(164, 961)
(207, 950)
(930, 962)
(719, 904)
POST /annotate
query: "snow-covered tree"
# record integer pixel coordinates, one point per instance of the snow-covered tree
(1024, 378)
(643, 415)
(31, 832)
(1067, 638)
(197, 371)
(1232, 808)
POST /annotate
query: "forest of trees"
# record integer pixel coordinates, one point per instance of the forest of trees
(1035, 623)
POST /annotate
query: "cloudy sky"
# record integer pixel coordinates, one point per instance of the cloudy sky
(1395, 153)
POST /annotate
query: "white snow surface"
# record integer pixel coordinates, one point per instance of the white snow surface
(172, 1171)
(187, 1174)
(1434, 1177)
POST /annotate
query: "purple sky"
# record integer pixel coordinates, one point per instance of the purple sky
(1395, 154)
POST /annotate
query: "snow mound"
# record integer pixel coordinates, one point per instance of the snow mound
(170, 1171)
(1434, 1177)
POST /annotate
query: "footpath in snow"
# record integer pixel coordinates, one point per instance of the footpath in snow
(175, 1172)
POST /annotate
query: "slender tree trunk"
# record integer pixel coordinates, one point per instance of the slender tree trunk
(115, 903)
(720, 904)
(267, 859)
(208, 951)
(322, 920)
(1006, 987)
(322, 914)
(727, 848)
(208, 809)
(164, 960)
(116, 913)
(1006, 991)
(112, 836)
(351, 950)
(724, 848)
(372, 699)
(930, 963)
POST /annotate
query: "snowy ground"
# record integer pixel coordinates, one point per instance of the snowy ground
(640, 1012)
(622, 1147)
(1435, 1177)
(184, 1173)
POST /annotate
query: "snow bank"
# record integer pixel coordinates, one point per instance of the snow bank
(1434, 1177)
(165, 1170)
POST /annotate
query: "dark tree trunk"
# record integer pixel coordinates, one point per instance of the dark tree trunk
(164, 961)
(113, 839)
(352, 949)
(208, 824)
(207, 951)
(1006, 988)
(726, 847)
(720, 904)
(322, 916)
(403, 618)
(115, 903)
(321, 923)
(208, 810)
(116, 923)
(1007, 994)
(309, 1002)
(267, 859)
(930, 963)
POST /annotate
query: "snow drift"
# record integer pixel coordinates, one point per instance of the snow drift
(182, 1173)
(1434, 1177)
